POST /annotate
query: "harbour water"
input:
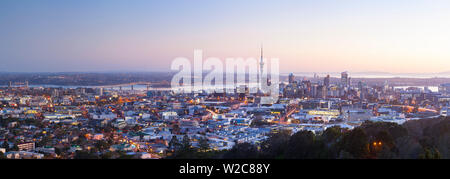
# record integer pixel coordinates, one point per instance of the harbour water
(144, 87)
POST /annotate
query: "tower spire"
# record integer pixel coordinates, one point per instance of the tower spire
(262, 62)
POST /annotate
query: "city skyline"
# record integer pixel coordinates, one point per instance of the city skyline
(307, 36)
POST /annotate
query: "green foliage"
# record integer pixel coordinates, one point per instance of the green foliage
(174, 144)
(184, 149)
(107, 155)
(35, 122)
(301, 145)
(275, 145)
(125, 156)
(332, 134)
(44, 141)
(5, 145)
(242, 151)
(356, 143)
(186, 143)
(258, 122)
(15, 148)
(203, 144)
(395, 130)
(386, 138)
(425, 139)
(430, 154)
(85, 155)
(102, 145)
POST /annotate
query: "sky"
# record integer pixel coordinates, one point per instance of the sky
(396, 36)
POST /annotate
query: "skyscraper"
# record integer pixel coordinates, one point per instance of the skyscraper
(344, 79)
(261, 65)
(362, 90)
(326, 81)
(291, 78)
(444, 88)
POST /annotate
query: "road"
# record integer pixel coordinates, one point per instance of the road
(289, 113)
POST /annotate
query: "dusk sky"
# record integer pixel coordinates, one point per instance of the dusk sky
(399, 36)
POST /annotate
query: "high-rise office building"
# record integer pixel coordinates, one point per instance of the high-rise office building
(291, 78)
(326, 81)
(345, 81)
(444, 88)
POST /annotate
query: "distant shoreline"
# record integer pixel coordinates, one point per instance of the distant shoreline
(162, 79)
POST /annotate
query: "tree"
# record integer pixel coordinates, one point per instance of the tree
(174, 144)
(102, 145)
(394, 130)
(203, 144)
(44, 141)
(258, 121)
(186, 143)
(430, 154)
(301, 145)
(5, 145)
(184, 150)
(125, 156)
(386, 139)
(408, 148)
(275, 146)
(176, 129)
(15, 148)
(2, 155)
(356, 143)
(58, 151)
(107, 155)
(332, 134)
(331, 138)
(85, 155)
(242, 151)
